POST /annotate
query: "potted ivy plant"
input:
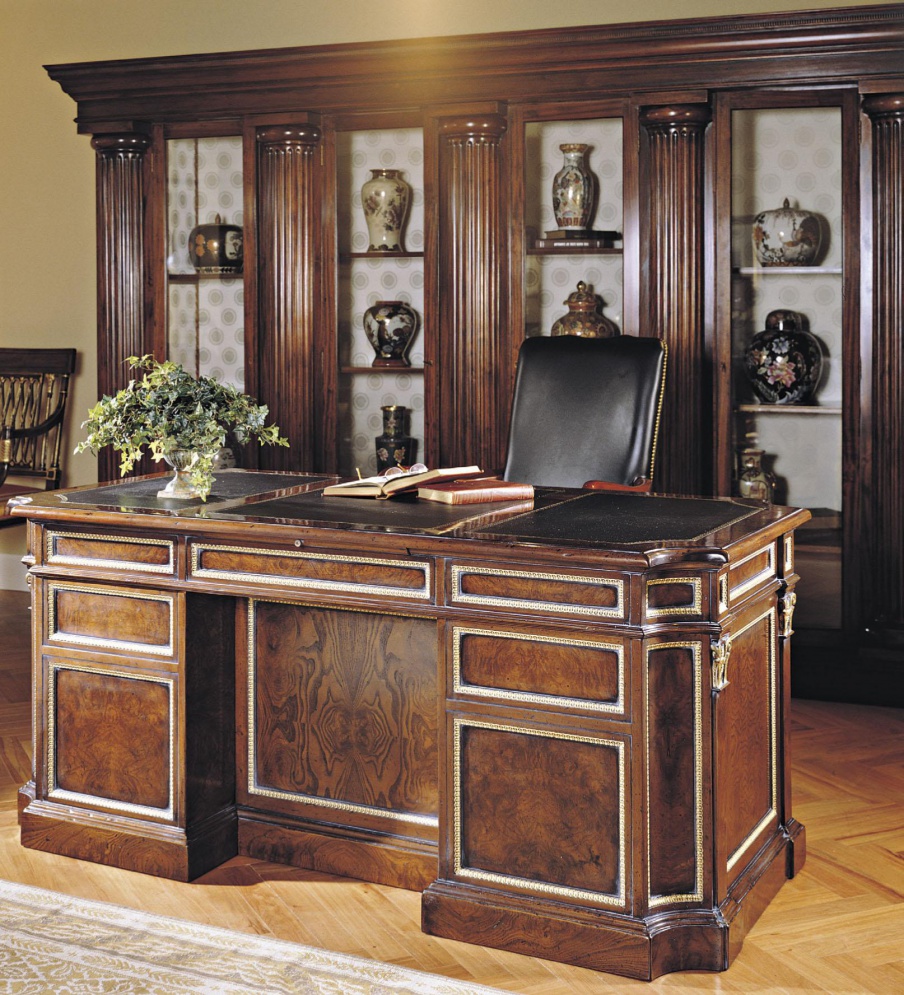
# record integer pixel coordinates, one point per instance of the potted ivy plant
(179, 418)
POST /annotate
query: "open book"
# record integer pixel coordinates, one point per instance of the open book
(382, 487)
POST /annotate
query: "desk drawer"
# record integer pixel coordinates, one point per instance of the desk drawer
(110, 618)
(535, 669)
(533, 591)
(327, 572)
(110, 552)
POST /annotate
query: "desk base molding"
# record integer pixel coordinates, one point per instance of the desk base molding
(642, 948)
(396, 861)
(165, 851)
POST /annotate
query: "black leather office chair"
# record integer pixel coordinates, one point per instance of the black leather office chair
(34, 386)
(586, 412)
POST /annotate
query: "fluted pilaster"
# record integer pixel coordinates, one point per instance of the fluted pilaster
(287, 358)
(674, 196)
(120, 163)
(472, 314)
(885, 584)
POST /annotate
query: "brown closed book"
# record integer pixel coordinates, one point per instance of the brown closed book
(477, 491)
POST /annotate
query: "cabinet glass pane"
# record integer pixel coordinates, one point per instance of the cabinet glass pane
(793, 155)
(551, 274)
(205, 316)
(368, 278)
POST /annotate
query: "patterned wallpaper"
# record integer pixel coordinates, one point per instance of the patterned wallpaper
(363, 282)
(550, 279)
(795, 154)
(206, 319)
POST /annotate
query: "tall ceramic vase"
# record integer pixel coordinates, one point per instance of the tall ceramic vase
(384, 199)
(572, 190)
(395, 447)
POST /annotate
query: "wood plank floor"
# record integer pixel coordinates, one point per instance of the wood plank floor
(838, 927)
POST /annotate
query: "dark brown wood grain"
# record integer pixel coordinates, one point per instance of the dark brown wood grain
(113, 737)
(525, 794)
(346, 707)
(515, 662)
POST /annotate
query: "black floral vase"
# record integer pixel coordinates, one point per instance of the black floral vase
(783, 362)
(394, 446)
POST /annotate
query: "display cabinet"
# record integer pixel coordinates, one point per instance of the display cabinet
(693, 129)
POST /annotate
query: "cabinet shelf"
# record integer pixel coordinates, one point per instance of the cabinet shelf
(197, 277)
(775, 271)
(381, 369)
(346, 256)
(567, 250)
(788, 409)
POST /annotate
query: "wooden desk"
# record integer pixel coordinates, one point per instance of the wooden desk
(564, 723)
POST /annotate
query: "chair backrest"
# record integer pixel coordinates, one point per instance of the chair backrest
(34, 386)
(585, 409)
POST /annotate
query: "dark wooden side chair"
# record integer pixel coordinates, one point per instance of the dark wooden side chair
(34, 386)
(585, 412)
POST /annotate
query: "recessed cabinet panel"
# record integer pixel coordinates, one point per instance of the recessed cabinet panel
(787, 291)
(367, 278)
(205, 319)
(554, 266)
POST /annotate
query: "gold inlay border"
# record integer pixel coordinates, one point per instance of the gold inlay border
(528, 884)
(696, 648)
(772, 813)
(168, 649)
(53, 558)
(765, 574)
(459, 571)
(57, 793)
(333, 804)
(694, 608)
(423, 567)
(724, 602)
(789, 553)
(535, 697)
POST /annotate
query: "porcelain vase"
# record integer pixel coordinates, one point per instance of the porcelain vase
(394, 446)
(584, 317)
(783, 362)
(384, 199)
(390, 327)
(572, 190)
(786, 237)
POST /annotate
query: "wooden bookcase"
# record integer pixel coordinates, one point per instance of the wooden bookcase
(666, 108)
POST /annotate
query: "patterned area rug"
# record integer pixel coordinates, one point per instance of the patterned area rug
(51, 944)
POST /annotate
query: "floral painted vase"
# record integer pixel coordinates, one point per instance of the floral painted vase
(390, 327)
(584, 317)
(395, 447)
(216, 248)
(572, 189)
(783, 362)
(786, 237)
(384, 198)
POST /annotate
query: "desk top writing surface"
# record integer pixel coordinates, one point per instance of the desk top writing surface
(269, 503)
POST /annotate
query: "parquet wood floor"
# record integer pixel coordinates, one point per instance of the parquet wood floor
(838, 927)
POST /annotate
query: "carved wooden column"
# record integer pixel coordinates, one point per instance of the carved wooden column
(885, 585)
(675, 308)
(287, 354)
(120, 265)
(471, 332)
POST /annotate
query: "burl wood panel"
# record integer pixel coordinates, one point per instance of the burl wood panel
(359, 571)
(745, 762)
(116, 552)
(671, 774)
(540, 807)
(518, 663)
(571, 592)
(346, 706)
(89, 614)
(112, 737)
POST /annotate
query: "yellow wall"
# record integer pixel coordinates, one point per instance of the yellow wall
(47, 263)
